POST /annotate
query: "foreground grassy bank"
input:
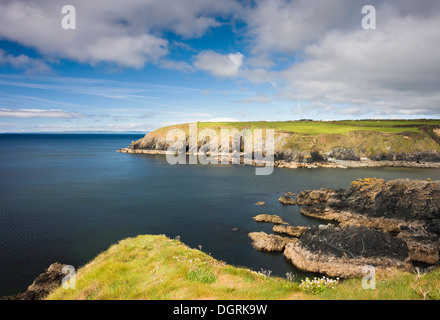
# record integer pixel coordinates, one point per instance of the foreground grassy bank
(156, 267)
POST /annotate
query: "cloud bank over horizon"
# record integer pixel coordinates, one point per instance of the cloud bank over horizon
(206, 59)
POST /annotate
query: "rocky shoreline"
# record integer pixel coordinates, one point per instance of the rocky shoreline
(329, 163)
(390, 224)
(43, 285)
(355, 149)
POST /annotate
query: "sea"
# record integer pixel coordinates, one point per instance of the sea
(68, 197)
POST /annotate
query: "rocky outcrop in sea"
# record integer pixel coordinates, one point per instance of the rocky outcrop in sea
(384, 224)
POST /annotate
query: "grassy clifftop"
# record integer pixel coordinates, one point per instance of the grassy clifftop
(156, 267)
(374, 139)
(310, 127)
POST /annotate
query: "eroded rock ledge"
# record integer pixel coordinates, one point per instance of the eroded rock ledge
(408, 209)
(272, 242)
(344, 251)
(269, 242)
(384, 224)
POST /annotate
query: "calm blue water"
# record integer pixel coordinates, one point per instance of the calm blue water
(67, 198)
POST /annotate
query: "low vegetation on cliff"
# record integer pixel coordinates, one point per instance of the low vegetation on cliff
(156, 267)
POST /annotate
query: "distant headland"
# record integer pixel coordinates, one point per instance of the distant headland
(334, 144)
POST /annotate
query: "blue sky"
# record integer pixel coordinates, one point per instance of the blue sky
(138, 65)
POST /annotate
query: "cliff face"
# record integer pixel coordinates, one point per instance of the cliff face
(307, 148)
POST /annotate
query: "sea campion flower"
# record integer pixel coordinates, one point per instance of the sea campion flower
(318, 285)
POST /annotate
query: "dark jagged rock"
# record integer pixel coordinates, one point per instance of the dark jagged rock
(292, 155)
(403, 199)
(383, 224)
(403, 207)
(344, 251)
(423, 246)
(343, 154)
(44, 284)
(287, 200)
(307, 197)
(422, 156)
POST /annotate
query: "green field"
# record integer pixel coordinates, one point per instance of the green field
(318, 127)
(389, 123)
(314, 128)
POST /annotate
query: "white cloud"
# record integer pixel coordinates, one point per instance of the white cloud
(30, 65)
(286, 26)
(198, 119)
(186, 114)
(114, 127)
(222, 65)
(38, 113)
(127, 33)
(262, 61)
(315, 51)
(130, 51)
(176, 65)
(393, 70)
(221, 119)
(261, 98)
